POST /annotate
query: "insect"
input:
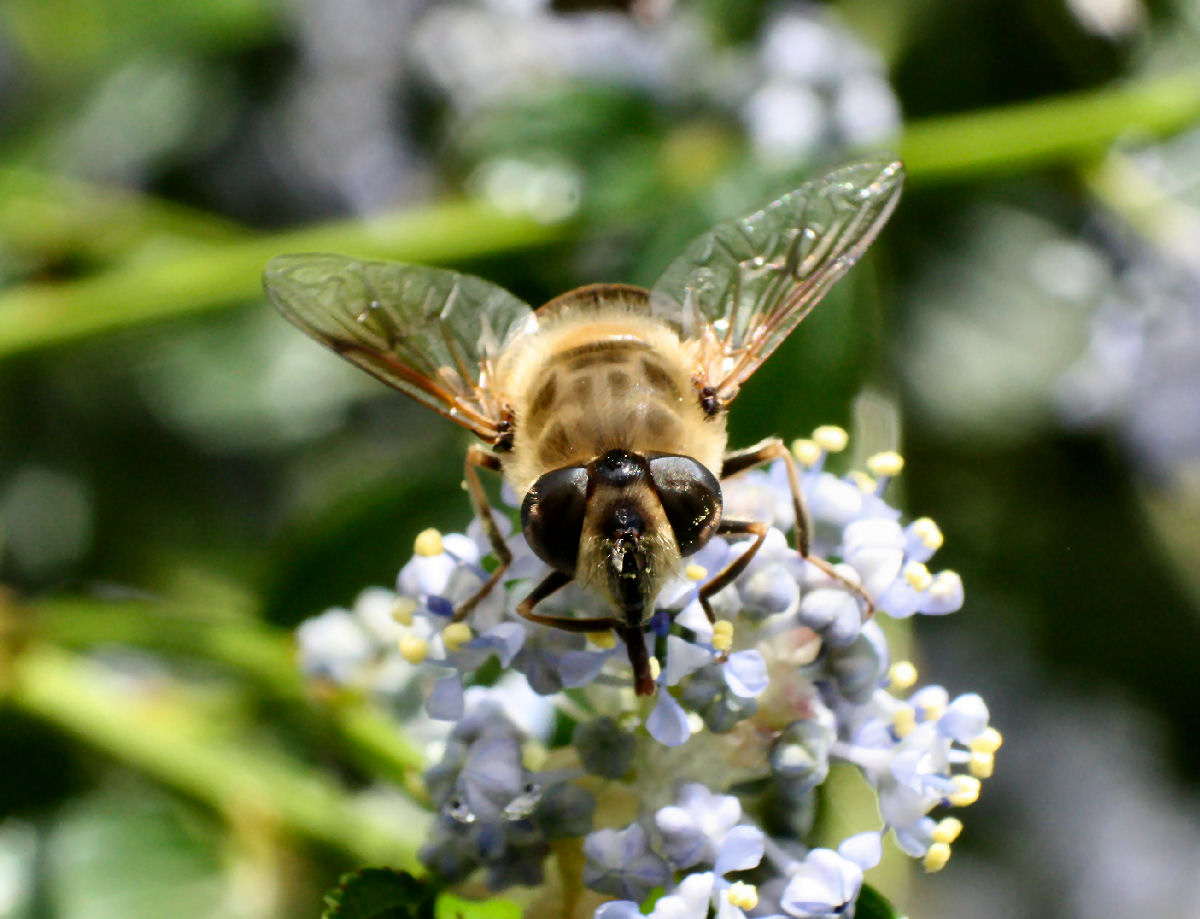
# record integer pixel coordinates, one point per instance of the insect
(605, 408)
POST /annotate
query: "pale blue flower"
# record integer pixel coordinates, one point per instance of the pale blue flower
(694, 828)
(826, 882)
(620, 862)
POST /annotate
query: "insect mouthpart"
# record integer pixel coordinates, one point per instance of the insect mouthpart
(628, 560)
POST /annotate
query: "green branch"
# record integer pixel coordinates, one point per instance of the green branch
(1067, 128)
(49, 216)
(1070, 128)
(241, 778)
(222, 273)
(264, 656)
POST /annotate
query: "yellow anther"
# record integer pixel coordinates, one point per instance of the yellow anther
(932, 711)
(413, 649)
(968, 790)
(987, 742)
(831, 438)
(605, 640)
(918, 576)
(455, 635)
(944, 585)
(428, 543)
(903, 721)
(947, 829)
(722, 638)
(806, 451)
(694, 572)
(888, 463)
(928, 532)
(936, 857)
(902, 675)
(865, 483)
(743, 895)
(981, 765)
(655, 668)
(403, 609)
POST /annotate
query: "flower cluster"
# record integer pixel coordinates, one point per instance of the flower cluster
(794, 675)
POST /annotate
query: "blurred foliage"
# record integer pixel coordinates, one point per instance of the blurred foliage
(183, 478)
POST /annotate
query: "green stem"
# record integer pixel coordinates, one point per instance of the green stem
(51, 216)
(1069, 128)
(267, 657)
(1066, 128)
(232, 775)
(218, 274)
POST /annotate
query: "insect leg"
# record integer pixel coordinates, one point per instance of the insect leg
(763, 452)
(635, 643)
(552, 582)
(727, 574)
(478, 457)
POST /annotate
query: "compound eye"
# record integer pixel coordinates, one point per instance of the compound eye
(552, 516)
(691, 497)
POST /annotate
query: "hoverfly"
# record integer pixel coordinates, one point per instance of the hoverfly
(605, 408)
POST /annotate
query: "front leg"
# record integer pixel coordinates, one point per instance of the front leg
(763, 452)
(729, 573)
(478, 457)
(635, 643)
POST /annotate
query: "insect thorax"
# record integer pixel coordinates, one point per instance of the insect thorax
(602, 379)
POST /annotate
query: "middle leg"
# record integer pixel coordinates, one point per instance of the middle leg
(763, 452)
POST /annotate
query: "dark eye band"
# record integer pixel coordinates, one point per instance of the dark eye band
(691, 497)
(552, 516)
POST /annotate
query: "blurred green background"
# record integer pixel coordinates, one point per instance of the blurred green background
(183, 477)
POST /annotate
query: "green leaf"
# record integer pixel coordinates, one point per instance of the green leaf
(874, 905)
(380, 893)
(449, 906)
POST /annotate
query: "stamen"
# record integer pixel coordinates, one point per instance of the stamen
(722, 638)
(903, 721)
(928, 532)
(655, 668)
(947, 830)
(743, 895)
(968, 790)
(455, 635)
(902, 675)
(831, 438)
(413, 648)
(694, 572)
(945, 585)
(605, 640)
(428, 543)
(865, 483)
(936, 857)
(886, 464)
(932, 711)
(981, 765)
(918, 576)
(403, 609)
(987, 742)
(806, 451)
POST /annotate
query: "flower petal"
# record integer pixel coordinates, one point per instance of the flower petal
(445, 702)
(746, 674)
(741, 851)
(864, 849)
(668, 722)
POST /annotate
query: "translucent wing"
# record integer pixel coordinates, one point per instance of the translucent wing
(430, 333)
(743, 286)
